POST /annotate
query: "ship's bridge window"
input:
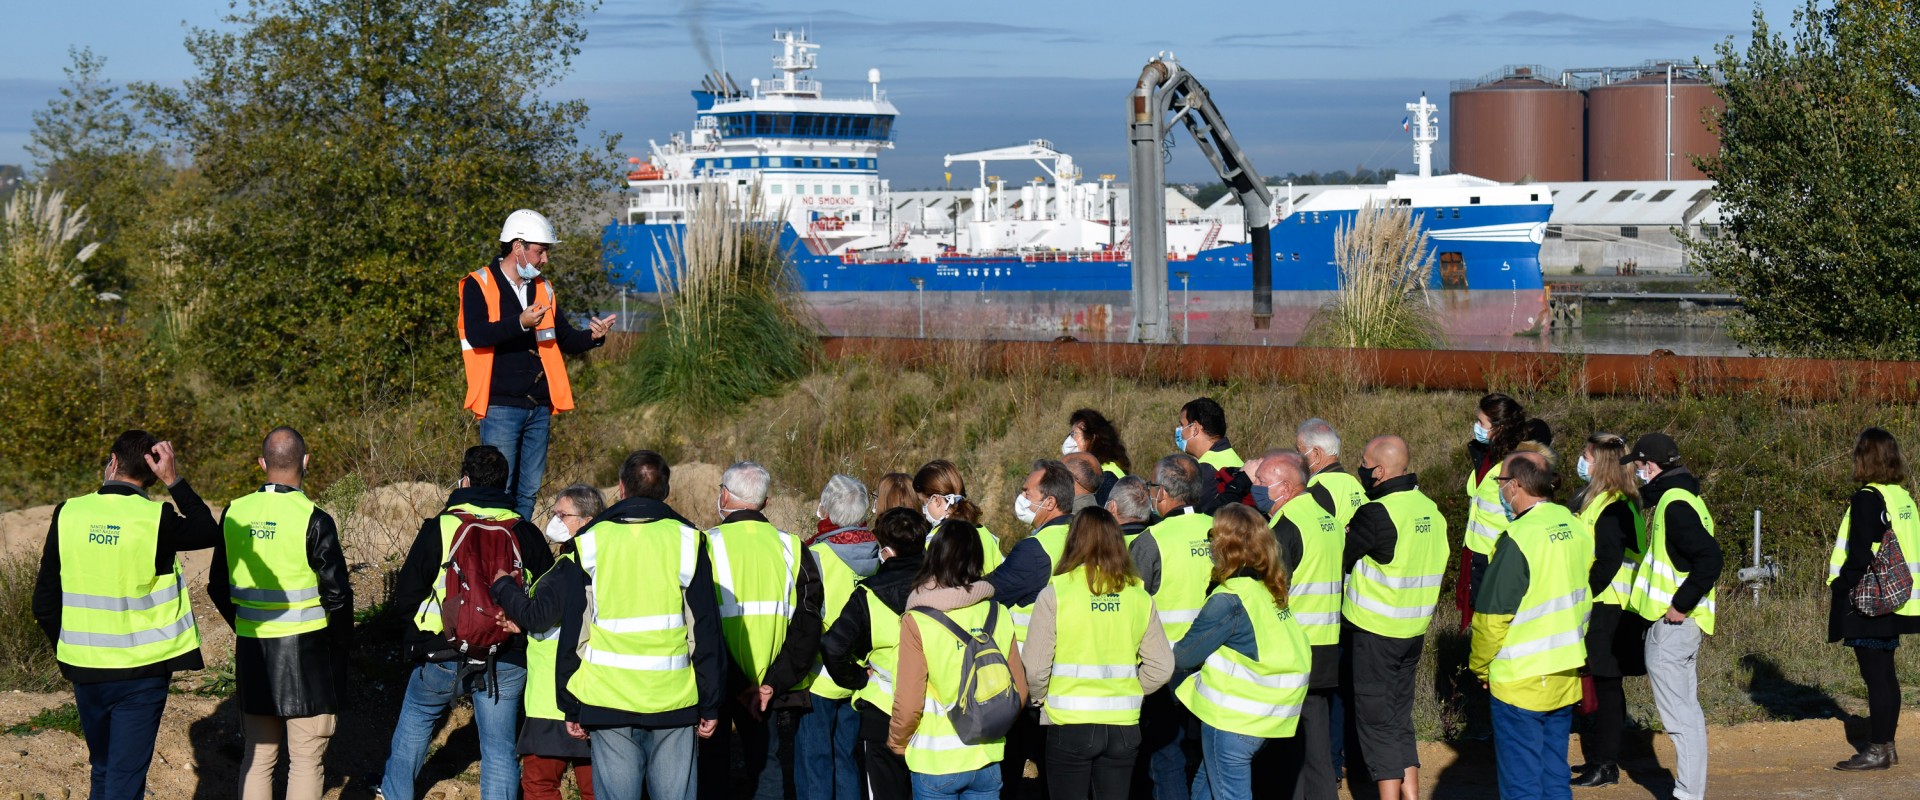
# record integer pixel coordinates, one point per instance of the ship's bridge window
(817, 126)
(816, 163)
(1474, 200)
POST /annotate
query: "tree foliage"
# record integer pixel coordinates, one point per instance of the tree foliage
(358, 157)
(1817, 182)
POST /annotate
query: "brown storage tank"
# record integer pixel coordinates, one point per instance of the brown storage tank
(1518, 127)
(1627, 128)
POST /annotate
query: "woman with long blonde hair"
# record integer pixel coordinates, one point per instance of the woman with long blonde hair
(1094, 650)
(1609, 504)
(1253, 658)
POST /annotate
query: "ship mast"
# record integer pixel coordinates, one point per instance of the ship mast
(1425, 134)
(798, 58)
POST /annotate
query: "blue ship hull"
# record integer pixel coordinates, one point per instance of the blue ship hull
(1486, 277)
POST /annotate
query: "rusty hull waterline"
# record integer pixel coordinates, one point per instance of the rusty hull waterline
(1655, 375)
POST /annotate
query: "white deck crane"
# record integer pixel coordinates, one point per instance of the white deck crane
(1039, 151)
(1165, 94)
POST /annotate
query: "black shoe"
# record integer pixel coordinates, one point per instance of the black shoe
(1595, 775)
(1876, 756)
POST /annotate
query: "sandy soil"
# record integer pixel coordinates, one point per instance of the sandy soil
(199, 752)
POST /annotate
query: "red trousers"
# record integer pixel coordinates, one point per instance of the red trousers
(540, 777)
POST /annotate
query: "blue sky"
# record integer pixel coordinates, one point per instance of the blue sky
(1316, 85)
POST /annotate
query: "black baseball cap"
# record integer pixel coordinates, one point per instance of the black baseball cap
(1657, 448)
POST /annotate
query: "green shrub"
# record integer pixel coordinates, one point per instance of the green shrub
(731, 326)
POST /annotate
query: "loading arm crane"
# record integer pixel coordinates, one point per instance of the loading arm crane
(1165, 94)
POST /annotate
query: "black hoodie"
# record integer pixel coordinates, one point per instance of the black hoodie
(1690, 548)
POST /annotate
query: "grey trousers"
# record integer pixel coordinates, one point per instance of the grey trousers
(1672, 655)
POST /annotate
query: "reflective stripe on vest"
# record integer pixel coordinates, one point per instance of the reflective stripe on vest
(1655, 580)
(479, 360)
(1486, 518)
(427, 616)
(1621, 585)
(1547, 634)
(1186, 569)
(837, 580)
(115, 613)
(1053, 540)
(543, 649)
(634, 659)
(1903, 518)
(935, 748)
(1254, 697)
(275, 591)
(1396, 599)
(1313, 595)
(1348, 496)
(756, 572)
(1096, 652)
(883, 654)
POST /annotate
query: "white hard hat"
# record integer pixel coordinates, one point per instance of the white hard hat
(528, 225)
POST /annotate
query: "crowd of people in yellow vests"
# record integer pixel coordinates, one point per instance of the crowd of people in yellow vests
(1198, 626)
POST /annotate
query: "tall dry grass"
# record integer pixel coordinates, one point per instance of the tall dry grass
(1384, 265)
(731, 325)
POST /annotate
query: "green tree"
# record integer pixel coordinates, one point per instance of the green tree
(89, 143)
(1816, 181)
(358, 157)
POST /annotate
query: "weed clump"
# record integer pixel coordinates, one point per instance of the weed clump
(731, 326)
(1384, 267)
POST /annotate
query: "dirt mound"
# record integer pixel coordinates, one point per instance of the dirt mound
(25, 531)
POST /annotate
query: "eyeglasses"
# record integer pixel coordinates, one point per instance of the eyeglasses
(563, 514)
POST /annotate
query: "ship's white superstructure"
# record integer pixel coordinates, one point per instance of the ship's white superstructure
(778, 149)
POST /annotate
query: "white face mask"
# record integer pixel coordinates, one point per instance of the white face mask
(1069, 447)
(1645, 473)
(1023, 508)
(527, 270)
(1583, 469)
(926, 508)
(1480, 433)
(557, 531)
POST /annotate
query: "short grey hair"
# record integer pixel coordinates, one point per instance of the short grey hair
(587, 500)
(747, 482)
(1179, 475)
(845, 500)
(1130, 499)
(1319, 433)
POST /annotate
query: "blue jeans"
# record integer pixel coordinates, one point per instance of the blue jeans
(520, 434)
(624, 758)
(1530, 752)
(1226, 764)
(824, 762)
(120, 720)
(980, 784)
(431, 690)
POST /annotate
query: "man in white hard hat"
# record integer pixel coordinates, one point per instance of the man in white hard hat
(512, 338)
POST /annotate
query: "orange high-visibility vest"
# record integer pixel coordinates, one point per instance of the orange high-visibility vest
(479, 360)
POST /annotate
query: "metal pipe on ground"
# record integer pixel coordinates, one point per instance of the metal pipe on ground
(1803, 379)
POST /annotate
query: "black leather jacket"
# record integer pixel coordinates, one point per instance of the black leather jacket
(305, 674)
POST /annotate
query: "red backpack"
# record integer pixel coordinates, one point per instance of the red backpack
(481, 547)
